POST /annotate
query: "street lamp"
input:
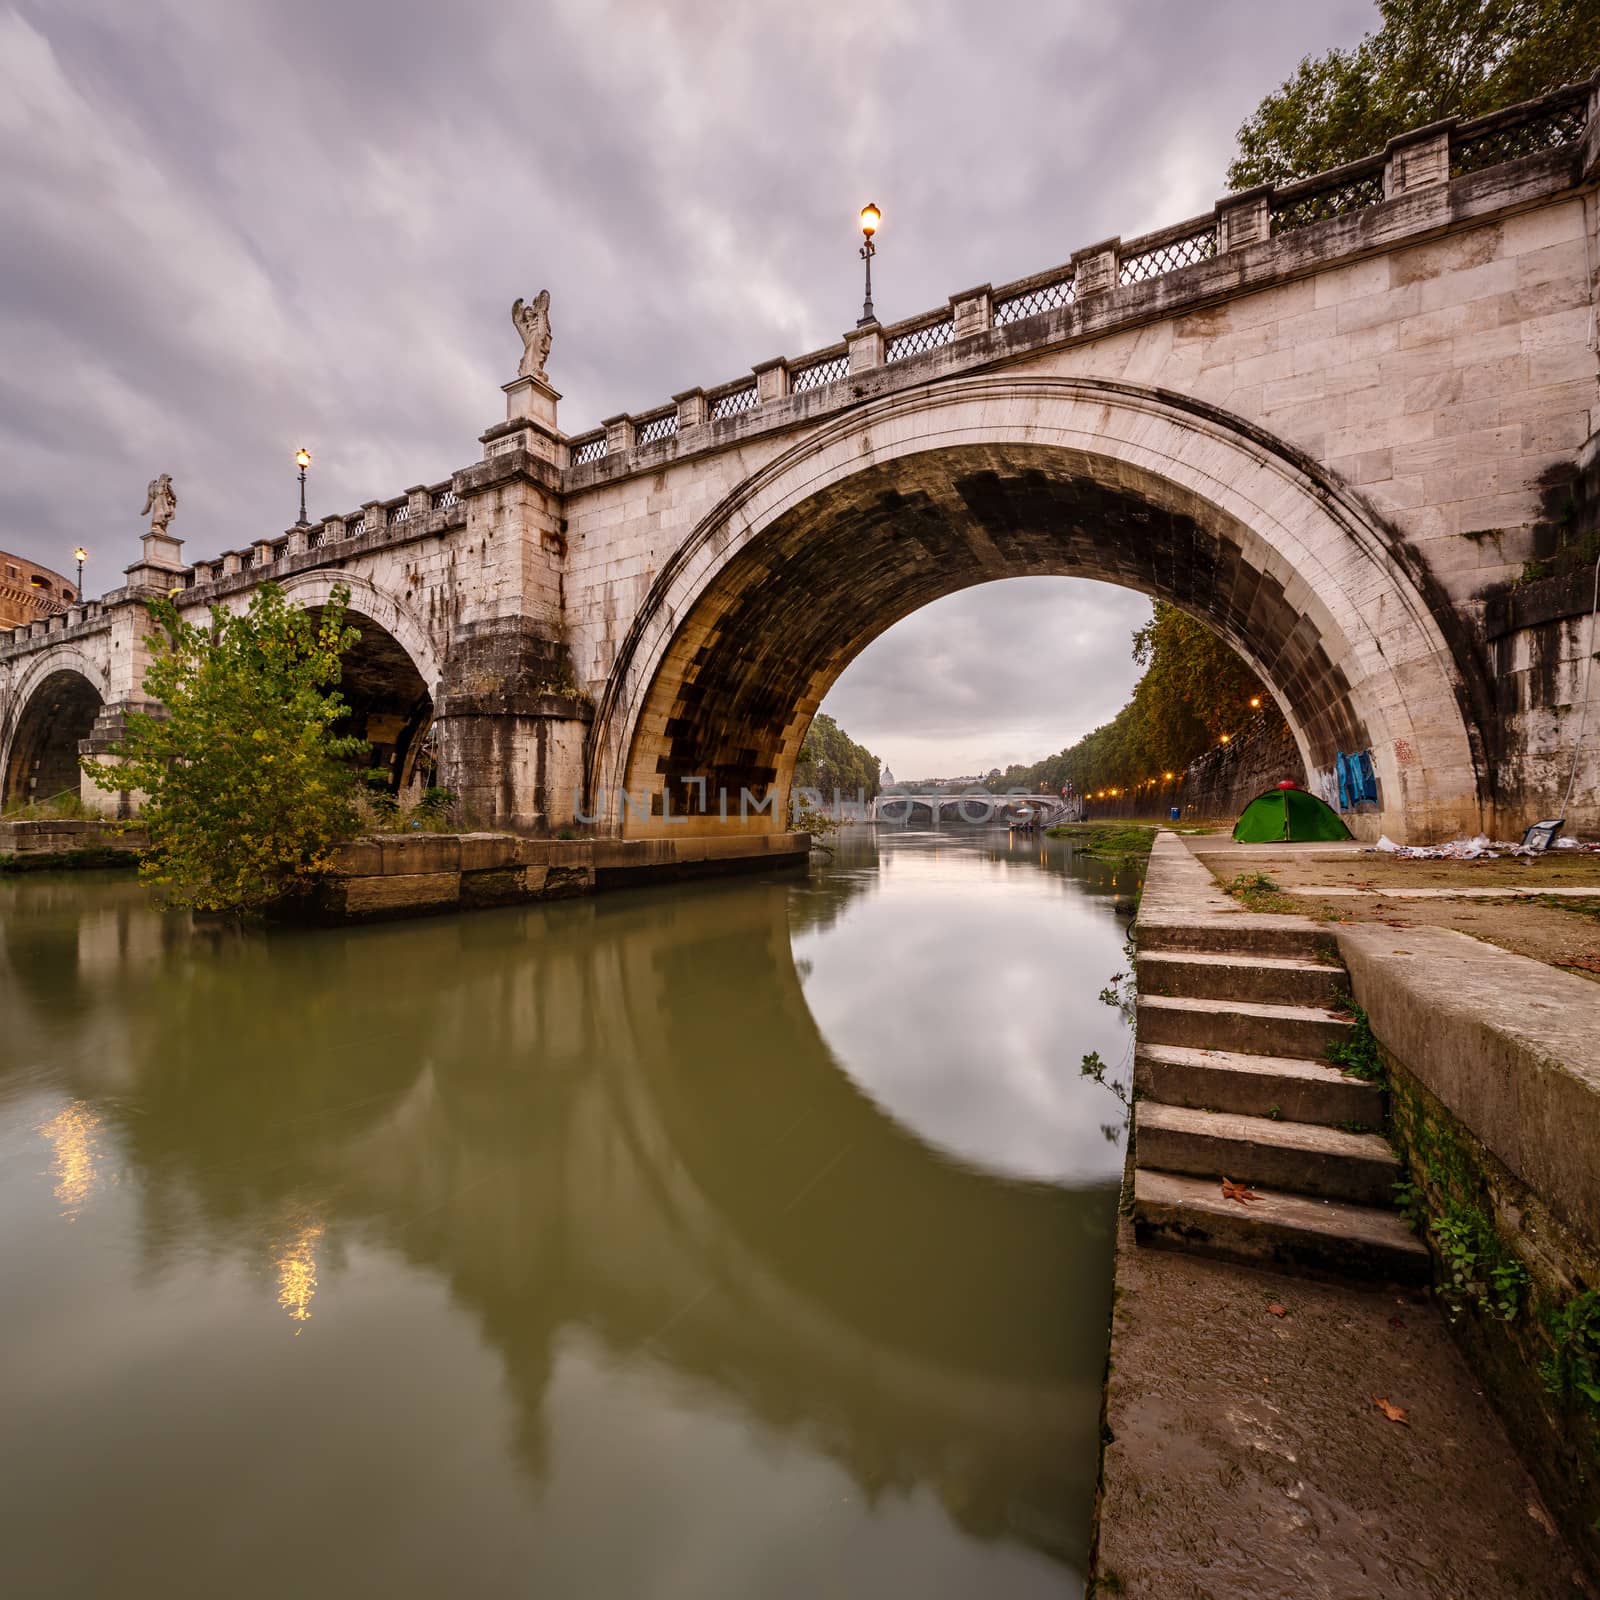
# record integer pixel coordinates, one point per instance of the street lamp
(302, 459)
(871, 216)
(80, 555)
(1255, 702)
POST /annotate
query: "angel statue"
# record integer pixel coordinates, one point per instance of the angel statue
(160, 502)
(533, 323)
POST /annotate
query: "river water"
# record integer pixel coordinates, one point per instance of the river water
(748, 1238)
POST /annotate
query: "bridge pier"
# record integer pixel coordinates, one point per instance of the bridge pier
(511, 726)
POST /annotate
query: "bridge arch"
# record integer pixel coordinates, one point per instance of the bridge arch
(56, 700)
(391, 677)
(965, 481)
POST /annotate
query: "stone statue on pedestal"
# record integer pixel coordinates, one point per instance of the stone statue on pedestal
(160, 502)
(532, 321)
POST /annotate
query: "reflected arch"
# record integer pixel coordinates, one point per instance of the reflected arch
(53, 711)
(943, 487)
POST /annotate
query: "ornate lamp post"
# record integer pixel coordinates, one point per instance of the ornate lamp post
(80, 555)
(871, 216)
(302, 459)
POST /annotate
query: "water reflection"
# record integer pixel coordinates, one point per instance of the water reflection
(74, 1138)
(629, 1278)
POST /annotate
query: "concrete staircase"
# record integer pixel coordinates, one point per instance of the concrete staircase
(1231, 1080)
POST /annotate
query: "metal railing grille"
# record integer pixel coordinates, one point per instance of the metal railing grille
(1558, 126)
(356, 526)
(316, 539)
(662, 427)
(829, 370)
(1034, 302)
(1161, 259)
(589, 450)
(928, 337)
(732, 403)
(400, 514)
(1335, 200)
(443, 499)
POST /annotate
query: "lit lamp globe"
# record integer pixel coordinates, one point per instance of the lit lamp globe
(871, 216)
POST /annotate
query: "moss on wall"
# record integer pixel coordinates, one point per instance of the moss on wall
(1522, 1296)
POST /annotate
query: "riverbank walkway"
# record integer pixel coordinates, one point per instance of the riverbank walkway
(1277, 1437)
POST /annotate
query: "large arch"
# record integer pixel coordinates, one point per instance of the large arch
(953, 484)
(53, 708)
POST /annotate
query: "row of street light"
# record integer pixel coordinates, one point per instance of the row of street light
(1166, 777)
(871, 216)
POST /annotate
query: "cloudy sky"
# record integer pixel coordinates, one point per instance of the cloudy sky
(235, 226)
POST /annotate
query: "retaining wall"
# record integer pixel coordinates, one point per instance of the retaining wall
(425, 874)
(1494, 1066)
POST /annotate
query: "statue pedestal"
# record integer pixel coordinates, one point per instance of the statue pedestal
(531, 400)
(530, 422)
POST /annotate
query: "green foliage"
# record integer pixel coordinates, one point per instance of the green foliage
(246, 787)
(1476, 1265)
(1445, 1197)
(1116, 842)
(1572, 1370)
(1356, 1055)
(1194, 689)
(830, 759)
(1255, 891)
(1430, 59)
(67, 806)
(821, 825)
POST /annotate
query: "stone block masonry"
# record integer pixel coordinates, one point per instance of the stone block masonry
(387, 877)
(1331, 421)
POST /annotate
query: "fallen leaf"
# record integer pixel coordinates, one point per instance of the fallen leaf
(1397, 1322)
(1581, 963)
(1242, 1192)
(1277, 1311)
(1393, 1412)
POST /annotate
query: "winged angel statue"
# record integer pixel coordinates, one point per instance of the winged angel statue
(160, 502)
(533, 323)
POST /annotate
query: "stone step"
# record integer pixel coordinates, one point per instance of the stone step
(1288, 1087)
(1238, 933)
(1301, 1157)
(1207, 975)
(1245, 1026)
(1286, 1232)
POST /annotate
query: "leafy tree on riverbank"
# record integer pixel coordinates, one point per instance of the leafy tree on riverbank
(1195, 688)
(246, 787)
(830, 759)
(1430, 59)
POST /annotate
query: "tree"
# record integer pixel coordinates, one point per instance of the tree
(1195, 688)
(1430, 59)
(830, 759)
(246, 785)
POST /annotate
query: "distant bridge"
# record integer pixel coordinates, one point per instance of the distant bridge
(976, 808)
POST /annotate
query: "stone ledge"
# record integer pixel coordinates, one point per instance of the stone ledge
(405, 875)
(1510, 1046)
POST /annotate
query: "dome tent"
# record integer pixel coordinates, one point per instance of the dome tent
(1288, 813)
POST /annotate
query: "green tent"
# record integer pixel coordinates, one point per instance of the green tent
(1288, 814)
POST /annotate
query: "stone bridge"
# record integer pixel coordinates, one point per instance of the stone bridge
(900, 805)
(1341, 422)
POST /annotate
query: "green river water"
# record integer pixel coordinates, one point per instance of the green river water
(748, 1238)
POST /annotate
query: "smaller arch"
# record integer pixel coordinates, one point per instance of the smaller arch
(390, 678)
(53, 715)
